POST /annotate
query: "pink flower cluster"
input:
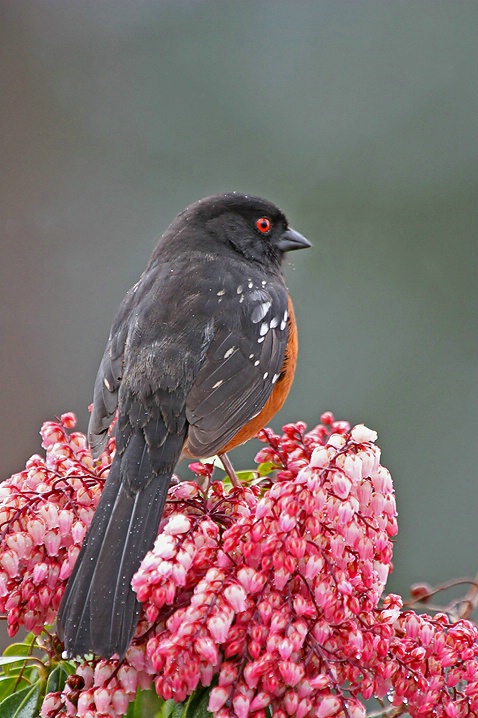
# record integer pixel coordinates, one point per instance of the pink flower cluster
(188, 543)
(435, 666)
(101, 688)
(274, 590)
(45, 511)
(284, 598)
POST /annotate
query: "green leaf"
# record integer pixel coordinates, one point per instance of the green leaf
(13, 665)
(68, 667)
(180, 710)
(57, 679)
(195, 706)
(6, 660)
(18, 649)
(246, 476)
(148, 703)
(22, 704)
(266, 468)
(166, 710)
(200, 707)
(15, 657)
(9, 684)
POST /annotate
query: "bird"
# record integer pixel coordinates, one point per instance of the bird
(201, 355)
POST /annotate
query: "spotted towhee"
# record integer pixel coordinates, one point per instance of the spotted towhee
(201, 356)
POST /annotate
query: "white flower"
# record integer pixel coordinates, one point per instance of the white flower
(361, 433)
(177, 524)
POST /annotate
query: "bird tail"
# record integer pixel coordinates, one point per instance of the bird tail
(99, 610)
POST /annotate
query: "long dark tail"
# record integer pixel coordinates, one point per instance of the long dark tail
(99, 610)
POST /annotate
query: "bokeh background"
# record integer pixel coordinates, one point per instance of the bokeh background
(358, 118)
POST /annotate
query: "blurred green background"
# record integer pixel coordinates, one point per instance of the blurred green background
(358, 118)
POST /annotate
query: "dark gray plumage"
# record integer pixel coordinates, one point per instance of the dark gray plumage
(193, 354)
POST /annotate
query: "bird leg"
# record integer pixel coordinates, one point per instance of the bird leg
(229, 469)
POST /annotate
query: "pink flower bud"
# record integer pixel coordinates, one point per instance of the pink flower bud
(217, 698)
(86, 672)
(291, 701)
(65, 520)
(382, 481)
(252, 581)
(3, 584)
(241, 705)
(236, 596)
(51, 433)
(85, 702)
(9, 561)
(119, 701)
(304, 708)
(51, 704)
(426, 634)
(128, 677)
(260, 701)
(78, 531)
(164, 547)
(30, 620)
(207, 649)
(336, 441)
(228, 674)
(103, 671)
(352, 466)
(328, 707)
(291, 672)
(320, 458)
(341, 485)
(219, 626)
(102, 699)
(184, 559)
(286, 522)
(52, 542)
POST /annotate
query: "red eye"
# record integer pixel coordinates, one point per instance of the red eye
(263, 224)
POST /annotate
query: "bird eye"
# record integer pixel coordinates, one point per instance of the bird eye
(263, 224)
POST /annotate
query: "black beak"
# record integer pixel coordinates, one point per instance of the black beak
(291, 240)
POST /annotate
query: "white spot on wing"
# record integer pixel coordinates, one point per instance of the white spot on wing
(218, 384)
(266, 375)
(275, 377)
(260, 311)
(250, 285)
(264, 328)
(260, 340)
(274, 322)
(229, 352)
(221, 292)
(251, 356)
(107, 384)
(259, 295)
(256, 363)
(239, 289)
(241, 299)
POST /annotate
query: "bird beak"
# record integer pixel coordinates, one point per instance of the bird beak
(291, 240)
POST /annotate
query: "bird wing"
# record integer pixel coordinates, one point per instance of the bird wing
(110, 371)
(108, 378)
(241, 366)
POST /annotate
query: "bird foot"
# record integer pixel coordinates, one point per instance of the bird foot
(229, 469)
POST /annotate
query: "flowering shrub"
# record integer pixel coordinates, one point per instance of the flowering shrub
(261, 600)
